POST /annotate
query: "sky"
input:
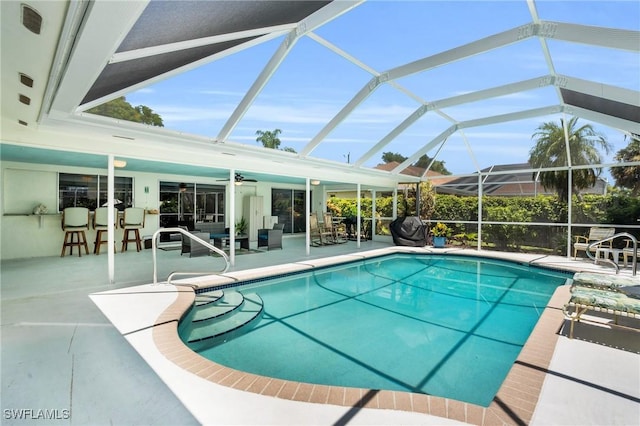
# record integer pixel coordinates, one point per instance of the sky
(313, 83)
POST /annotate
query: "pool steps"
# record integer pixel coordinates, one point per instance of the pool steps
(224, 305)
(217, 313)
(210, 297)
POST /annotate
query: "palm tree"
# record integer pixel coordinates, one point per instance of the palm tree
(269, 138)
(629, 176)
(551, 151)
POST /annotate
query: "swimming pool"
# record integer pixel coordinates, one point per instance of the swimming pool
(450, 326)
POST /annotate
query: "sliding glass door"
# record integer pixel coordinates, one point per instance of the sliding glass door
(186, 204)
(289, 206)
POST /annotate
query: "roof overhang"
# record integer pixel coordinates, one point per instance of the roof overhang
(91, 52)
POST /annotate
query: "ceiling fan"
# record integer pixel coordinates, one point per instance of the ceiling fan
(239, 179)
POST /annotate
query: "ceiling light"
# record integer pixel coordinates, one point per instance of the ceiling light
(315, 182)
(26, 80)
(238, 182)
(119, 163)
(31, 19)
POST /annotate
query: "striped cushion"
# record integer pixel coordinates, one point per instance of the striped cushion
(604, 281)
(605, 299)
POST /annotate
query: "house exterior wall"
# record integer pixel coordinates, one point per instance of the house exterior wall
(23, 235)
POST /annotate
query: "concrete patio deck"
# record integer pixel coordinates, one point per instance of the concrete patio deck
(63, 362)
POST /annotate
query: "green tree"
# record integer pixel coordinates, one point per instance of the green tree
(423, 162)
(437, 166)
(629, 176)
(148, 116)
(551, 151)
(390, 157)
(270, 139)
(121, 109)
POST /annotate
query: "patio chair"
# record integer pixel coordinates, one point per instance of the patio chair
(337, 236)
(132, 221)
(101, 225)
(271, 238)
(595, 234)
(75, 222)
(627, 253)
(194, 248)
(319, 236)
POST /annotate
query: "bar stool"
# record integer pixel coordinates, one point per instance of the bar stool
(101, 225)
(75, 221)
(132, 221)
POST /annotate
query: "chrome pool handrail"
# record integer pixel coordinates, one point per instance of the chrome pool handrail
(207, 244)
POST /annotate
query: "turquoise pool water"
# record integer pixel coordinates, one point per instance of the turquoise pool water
(449, 326)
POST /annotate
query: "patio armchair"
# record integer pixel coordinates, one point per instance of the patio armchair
(194, 248)
(595, 234)
(271, 238)
(628, 253)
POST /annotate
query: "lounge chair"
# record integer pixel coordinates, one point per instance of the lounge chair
(618, 296)
(595, 234)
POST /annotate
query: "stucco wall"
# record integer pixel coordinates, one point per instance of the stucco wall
(25, 185)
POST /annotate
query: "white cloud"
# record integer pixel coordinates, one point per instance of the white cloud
(380, 114)
(300, 114)
(221, 93)
(174, 113)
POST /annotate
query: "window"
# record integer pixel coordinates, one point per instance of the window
(76, 190)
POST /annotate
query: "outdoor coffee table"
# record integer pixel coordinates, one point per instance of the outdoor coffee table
(222, 240)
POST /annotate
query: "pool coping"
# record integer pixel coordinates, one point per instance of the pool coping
(514, 403)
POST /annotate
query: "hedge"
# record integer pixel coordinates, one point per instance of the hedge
(619, 209)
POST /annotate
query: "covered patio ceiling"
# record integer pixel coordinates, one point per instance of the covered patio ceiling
(81, 54)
